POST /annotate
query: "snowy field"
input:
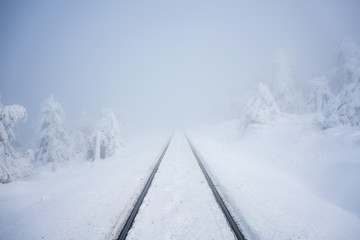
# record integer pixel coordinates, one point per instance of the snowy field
(84, 200)
(290, 180)
(285, 180)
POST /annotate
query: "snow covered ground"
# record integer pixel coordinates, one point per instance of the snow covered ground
(289, 180)
(284, 180)
(81, 201)
(180, 204)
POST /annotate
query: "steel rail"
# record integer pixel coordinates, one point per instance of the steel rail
(217, 196)
(136, 208)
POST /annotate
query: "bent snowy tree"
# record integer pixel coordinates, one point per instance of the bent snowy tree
(105, 141)
(260, 108)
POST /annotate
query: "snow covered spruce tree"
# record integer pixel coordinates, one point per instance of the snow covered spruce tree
(260, 108)
(54, 144)
(82, 130)
(283, 85)
(347, 68)
(105, 141)
(319, 94)
(12, 164)
(344, 108)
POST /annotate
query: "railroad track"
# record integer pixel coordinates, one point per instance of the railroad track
(233, 225)
(219, 200)
(138, 203)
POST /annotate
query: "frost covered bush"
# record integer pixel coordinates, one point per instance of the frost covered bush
(283, 85)
(260, 108)
(54, 144)
(105, 141)
(12, 164)
(319, 94)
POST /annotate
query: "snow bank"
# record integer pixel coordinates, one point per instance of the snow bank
(289, 181)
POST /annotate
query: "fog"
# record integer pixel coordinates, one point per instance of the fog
(160, 61)
(267, 94)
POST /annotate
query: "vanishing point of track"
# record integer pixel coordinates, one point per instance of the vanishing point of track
(227, 214)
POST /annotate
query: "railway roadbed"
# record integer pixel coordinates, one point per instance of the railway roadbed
(179, 203)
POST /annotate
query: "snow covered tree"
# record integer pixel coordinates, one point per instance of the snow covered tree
(283, 85)
(319, 94)
(105, 141)
(344, 108)
(347, 70)
(12, 164)
(260, 109)
(82, 130)
(54, 144)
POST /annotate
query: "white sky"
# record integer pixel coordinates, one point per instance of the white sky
(147, 59)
